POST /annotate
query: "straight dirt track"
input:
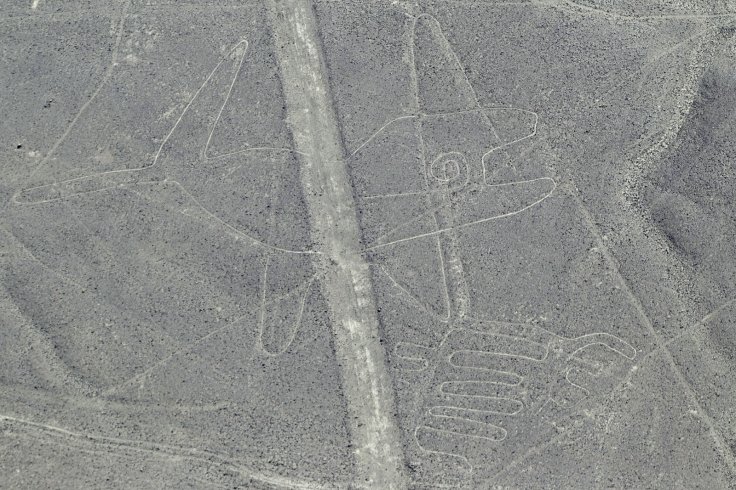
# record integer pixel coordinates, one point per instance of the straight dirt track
(344, 274)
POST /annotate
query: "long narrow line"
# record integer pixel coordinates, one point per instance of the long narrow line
(660, 343)
(105, 78)
(343, 273)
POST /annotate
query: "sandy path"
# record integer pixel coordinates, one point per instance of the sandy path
(344, 274)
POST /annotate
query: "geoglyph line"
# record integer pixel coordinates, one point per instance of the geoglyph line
(477, 222)
(126, 178)
(164, 451)
(660, 343)
(107, 74)
(575, 6)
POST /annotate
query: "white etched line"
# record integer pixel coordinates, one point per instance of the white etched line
(164, 451)
(484, 220)
(714, 432)
(105, 78)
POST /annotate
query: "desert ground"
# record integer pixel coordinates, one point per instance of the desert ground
(377, 244)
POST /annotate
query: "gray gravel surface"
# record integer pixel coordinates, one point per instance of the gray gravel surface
(388, 244)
